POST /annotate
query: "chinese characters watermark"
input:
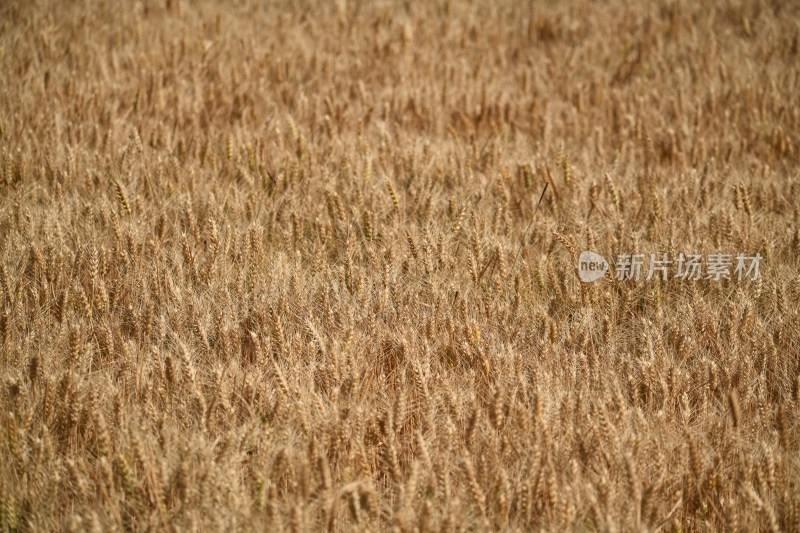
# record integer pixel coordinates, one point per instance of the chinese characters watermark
(686, 267)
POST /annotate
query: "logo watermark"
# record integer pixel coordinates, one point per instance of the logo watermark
(591, 266)
(686, 267)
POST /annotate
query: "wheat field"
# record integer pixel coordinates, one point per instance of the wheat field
(313, 266)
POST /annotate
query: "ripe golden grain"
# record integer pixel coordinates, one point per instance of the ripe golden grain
(213, 316)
